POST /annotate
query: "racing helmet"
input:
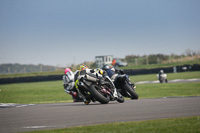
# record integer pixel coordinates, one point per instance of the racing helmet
(161, 71)
(100, 71)
(82, 67)
(67, 70)
(68, 79)
(106, 67)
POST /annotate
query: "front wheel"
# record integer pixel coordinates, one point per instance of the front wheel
(130, 90)
(98, 95)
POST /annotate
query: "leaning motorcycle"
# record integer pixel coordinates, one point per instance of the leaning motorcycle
(162, 78)
(95, 87)
(125, 86)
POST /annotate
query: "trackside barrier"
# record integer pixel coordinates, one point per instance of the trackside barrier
(195, 67)
(30, 79)
(147, 71)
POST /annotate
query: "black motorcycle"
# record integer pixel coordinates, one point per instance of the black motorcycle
(95, 87)
(125, 86)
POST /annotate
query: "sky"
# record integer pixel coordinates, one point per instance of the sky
(65, 32)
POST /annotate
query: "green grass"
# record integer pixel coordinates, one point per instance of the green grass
(168, 90)
(171, 125)
(53, 92)
(39, 92)
(170, 76)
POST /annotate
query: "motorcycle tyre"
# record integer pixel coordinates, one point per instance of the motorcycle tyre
(98, 96)
(130, 90)
(120, 98)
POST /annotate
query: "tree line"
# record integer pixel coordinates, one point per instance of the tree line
(161, 58)
(18, 68)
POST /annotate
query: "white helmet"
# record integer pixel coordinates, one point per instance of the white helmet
(161, 71)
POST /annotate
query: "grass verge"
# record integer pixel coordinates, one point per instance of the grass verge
(171, 125)
(170, 76)
(168, 90)
(39, 92)
(53, 92)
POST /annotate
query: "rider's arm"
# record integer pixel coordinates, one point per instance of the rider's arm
(120, 71)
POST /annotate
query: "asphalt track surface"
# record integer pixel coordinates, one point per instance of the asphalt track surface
(62, 115)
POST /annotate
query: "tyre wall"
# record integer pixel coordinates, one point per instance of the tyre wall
(195, 67)
(30, 79)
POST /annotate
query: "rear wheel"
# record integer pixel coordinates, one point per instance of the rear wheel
(98, 95)
(130, 90)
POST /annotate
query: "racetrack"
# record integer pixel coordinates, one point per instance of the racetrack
(63, 115)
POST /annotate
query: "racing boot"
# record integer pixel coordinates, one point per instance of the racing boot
(73, 94)
(86, 101)
(115, 94)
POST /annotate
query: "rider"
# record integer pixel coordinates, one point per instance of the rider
(68, 83)
(83, 70)
(112, 72)
(162, 74)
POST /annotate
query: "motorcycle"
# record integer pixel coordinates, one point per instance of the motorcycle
(125, 86)
(95, 87)
(162, 78)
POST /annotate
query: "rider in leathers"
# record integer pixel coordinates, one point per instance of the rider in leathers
(68, 84)
(112, 72)
(83, 70)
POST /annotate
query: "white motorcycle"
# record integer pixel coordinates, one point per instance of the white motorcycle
(162, 78)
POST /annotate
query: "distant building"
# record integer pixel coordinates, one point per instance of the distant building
(102, 60)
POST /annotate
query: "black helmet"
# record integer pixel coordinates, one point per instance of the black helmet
(106, 67)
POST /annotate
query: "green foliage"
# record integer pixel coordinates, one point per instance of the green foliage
(171, 125)
(143, 60)
(18, 68)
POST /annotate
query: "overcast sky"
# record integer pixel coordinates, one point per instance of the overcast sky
(62, 32)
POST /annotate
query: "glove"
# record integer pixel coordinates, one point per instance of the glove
(121, 71)
(65, 85)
